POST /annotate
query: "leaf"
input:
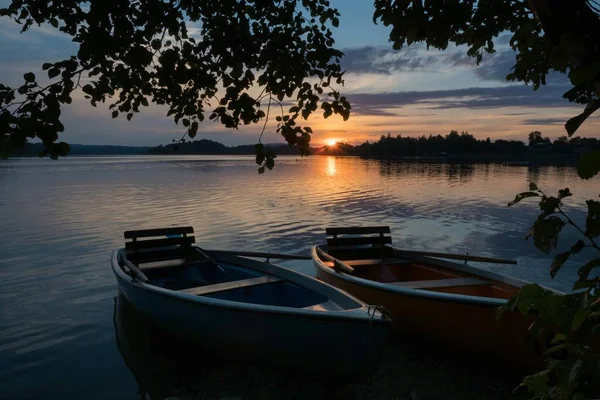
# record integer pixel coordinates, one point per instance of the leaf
(561, 258)
(270, 163)
(592, 222)
(576, 372)
(533, 186)
(584, 271)
(156, 44)
(564, 193)
(545, 233)
(53, 72)
(115, 114)
(260, 157)
(579, 318)
(536, 383)
(564, 346)
(46, 66)
(588, 165)
(584, 284)
(558, 262)
(559, 337)
(261, 170)
(129, 116)
(411, 35)
(29, 77)
(89, 89)
(185, 122)
(522, 196)
(528, 299)
(574, 123)
(549, 205)
(193, 130)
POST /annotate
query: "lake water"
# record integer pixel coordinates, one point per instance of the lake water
(60, 220)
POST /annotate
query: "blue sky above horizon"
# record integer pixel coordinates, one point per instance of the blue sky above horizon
(410, 92)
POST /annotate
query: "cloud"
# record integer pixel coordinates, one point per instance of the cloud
(386, 61)
(544, 121)
(381, 65)
(469, 98)
(359, 109)
(496, 66)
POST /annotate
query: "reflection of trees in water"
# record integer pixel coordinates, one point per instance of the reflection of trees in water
(485, 168)
(533, 173)
(460, 172)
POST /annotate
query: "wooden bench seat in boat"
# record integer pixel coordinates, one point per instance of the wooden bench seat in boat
(219, 287)
(159, 245)
(440, 283)
(355, 243)
(175, 263)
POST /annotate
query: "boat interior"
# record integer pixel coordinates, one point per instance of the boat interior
(166, 258)
(365, 252)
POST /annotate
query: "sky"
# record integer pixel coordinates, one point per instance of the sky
(410, 92)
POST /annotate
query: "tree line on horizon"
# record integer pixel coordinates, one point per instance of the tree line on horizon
(386, 146)
(460, 143)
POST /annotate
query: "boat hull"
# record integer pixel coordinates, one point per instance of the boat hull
(468, 324)
(327, 345)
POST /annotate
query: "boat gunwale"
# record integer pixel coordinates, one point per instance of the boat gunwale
(360, 313)
(428, 294)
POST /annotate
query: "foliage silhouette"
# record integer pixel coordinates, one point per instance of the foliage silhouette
(547, 36)
(245, 56)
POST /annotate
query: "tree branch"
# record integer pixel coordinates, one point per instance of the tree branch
(266, 119)
(570, 221)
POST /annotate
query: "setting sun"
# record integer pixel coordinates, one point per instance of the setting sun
(331, 142)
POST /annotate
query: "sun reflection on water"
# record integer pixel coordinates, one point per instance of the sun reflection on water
(331, 169)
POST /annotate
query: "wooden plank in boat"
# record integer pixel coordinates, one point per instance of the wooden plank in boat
(361, 254)
(440, 283)
(181, 230)
(373, 261)
(161, 254)
(219, 287)
(358, 241)
(168, 264)
(166, 242)
(356, 230)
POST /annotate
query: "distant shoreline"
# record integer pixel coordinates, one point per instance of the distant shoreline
(205, 147)
(508, 160)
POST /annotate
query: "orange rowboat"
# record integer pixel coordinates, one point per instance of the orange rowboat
(451, 301)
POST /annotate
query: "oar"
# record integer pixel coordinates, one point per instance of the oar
(256, 254)
(199, 250)
(135, 271)
(463, 257)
